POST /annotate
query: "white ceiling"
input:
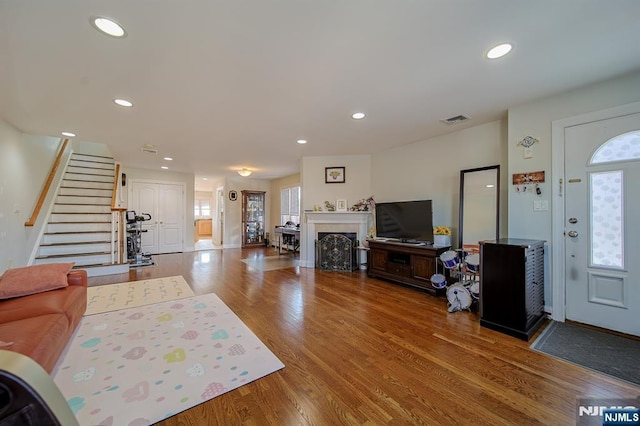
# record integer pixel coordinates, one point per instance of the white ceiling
(220, 85)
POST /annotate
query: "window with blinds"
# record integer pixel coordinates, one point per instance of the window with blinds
(202, 209)
(290, 205)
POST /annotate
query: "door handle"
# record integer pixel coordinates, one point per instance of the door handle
(572, 234)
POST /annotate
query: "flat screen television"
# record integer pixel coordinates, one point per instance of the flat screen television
(407, 221)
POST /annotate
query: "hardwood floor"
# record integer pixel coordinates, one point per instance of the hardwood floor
(367, 351)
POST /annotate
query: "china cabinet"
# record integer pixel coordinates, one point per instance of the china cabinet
(253, 207)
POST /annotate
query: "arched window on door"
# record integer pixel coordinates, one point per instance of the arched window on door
(607, 200)
(623, 147)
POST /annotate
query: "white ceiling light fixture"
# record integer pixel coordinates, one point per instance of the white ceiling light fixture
(108, 26)
(301, 141)
(164, 168)
(358, 115)
(69, 134)
(499, 51)
(244, 172)
(168, 158)
(123, 103)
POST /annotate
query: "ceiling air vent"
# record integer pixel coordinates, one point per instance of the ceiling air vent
(455, 120)
(149, 149)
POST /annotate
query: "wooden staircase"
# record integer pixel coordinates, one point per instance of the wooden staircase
(79, 227)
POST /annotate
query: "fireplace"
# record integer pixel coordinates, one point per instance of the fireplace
(337, 251)
(335, 223)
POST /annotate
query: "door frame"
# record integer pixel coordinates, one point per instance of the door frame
(219, 218)
(558, 289)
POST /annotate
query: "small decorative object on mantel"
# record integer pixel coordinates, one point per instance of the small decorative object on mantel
(317, 208)
(334, 175)
(364, 205)
(329, 206)
(341, 205)
(442, 236)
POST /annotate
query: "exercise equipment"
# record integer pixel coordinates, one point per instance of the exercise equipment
(135, 256)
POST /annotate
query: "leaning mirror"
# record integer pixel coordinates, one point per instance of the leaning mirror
(479, 217)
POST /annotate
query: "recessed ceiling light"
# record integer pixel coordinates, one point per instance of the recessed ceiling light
(123, 102)
(358, 115)
(490, 186)
(499, 51)
(205, 179)
(302, 141)
(168, 158)
(164, 167)
(68, 134)
(108, 26)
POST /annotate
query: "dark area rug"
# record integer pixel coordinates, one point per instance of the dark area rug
(607, 353)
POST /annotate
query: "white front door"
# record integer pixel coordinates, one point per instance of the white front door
(602, 226)
(165, 203)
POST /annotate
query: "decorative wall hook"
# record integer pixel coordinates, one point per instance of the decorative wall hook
(528, 141)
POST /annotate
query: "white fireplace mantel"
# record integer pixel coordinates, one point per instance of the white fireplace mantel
(313, 220)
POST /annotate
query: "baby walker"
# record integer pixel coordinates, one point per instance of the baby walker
(464, 294)
(135, 256)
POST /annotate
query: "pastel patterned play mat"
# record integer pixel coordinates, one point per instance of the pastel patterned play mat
(140, 365)
(111, 297)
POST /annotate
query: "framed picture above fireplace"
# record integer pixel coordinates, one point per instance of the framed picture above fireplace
(334, 175)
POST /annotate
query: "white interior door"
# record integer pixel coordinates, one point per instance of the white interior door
(169, 213)
(602, 206)
(143, 198)
(165, 203)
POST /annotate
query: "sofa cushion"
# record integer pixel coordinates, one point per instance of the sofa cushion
(41, 338)
(70, 300)
(33, 279)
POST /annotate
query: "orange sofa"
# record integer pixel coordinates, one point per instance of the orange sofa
(40, 325)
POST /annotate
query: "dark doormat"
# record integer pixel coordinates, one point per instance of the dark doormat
(614, 355)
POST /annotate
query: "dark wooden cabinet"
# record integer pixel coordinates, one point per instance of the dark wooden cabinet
(512, 286)
(408, 264)
(377, 260)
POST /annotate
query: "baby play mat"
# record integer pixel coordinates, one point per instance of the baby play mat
(111, 297)
(140, 365)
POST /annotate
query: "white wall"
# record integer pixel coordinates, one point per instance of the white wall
(357, 183)
(25, 162)
(233, 209)
(534, 119)
(91, 148)
(430, 169)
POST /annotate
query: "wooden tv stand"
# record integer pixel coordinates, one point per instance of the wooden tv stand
(409, 264)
